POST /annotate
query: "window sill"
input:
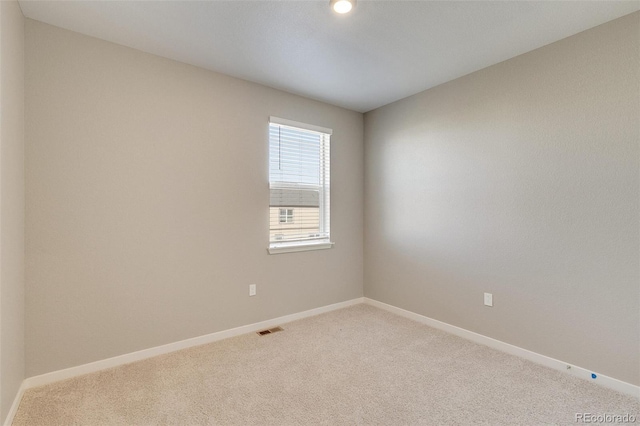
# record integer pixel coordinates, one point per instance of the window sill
(292, 248)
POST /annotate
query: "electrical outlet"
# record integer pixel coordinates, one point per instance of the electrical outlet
(252, 289)
(488, 299)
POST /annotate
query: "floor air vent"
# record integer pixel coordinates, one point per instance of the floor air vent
(269, 331)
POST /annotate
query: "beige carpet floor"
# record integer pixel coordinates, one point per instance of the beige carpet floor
(355, 366)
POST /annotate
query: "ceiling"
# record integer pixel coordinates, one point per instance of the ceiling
(381, 52)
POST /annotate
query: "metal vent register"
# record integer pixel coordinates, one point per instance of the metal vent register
(269, 331)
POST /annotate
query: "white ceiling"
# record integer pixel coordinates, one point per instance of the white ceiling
(381, 52)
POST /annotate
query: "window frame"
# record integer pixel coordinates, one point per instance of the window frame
(287, 215)
(276, 247)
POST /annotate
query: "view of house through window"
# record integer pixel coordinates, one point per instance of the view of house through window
(298, 184)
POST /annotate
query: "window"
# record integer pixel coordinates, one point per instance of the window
(298, 181)
(286, 216)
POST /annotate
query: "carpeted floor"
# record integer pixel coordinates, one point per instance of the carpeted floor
(355, 366)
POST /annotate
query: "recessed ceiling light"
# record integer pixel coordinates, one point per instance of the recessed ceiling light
(342, 6)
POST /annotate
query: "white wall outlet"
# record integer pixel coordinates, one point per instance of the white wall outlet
(252, 289)
(488, 299)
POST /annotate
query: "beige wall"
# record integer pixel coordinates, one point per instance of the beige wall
(11, 203)
(148, 202)
(520, 180)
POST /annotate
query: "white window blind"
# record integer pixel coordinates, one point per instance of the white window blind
(299, 176)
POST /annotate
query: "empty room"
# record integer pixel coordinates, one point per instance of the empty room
(337, 212)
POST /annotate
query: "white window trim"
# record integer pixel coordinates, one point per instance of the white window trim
(295, 247)
(288, 218)
(292, 247)
(297, 124)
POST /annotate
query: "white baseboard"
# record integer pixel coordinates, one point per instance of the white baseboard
(183, 344)
(601, 379)
(16, 403)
